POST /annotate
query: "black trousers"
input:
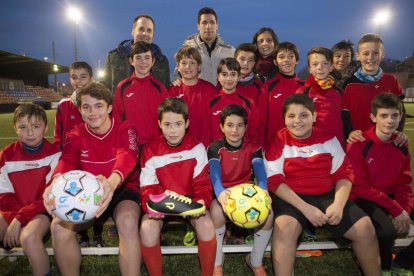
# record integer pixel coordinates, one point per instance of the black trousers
(384, 229)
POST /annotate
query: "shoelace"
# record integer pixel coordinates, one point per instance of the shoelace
(178, 197)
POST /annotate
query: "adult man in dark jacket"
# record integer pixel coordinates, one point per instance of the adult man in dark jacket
(117, 65)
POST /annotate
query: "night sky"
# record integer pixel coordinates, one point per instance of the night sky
(28, 27)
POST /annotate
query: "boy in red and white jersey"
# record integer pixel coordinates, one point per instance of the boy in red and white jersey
(382, 183)
(106, 148)
(228, 72)
(136, 98)
(321, 88)
(196, 92)
(278, 88)
(26, 167)
(178, 163)
(249, 85)
(67, 113)
(311, 178)
(232, 161)
(368, 81)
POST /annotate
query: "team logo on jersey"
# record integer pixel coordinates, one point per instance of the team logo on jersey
(32, 165)
(84, 153)
(370, 160)
(72, 117)
(314, 100)
(177, 157)
(277, 96)
(129, 95)
(217, 112)
(306, 151)
(180, 95)
(376, 86)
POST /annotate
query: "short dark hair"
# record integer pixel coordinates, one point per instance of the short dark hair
(286, 45)
(300, 99)
(344, 45)
(95, 90)
(376, 38)
(188, 52)
(81, 65)
(206, 10)
(141, 47)
(263, 30)
(231, 63)
(174, 105)
(246, 47)
(29, 110)
(142, 16)
(327, 53)
(233, 109)
(386, 100)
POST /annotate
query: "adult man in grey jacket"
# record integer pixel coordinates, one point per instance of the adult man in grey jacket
(210, 45)
(117, 65)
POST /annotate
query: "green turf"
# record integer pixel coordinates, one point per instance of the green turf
(333, 262)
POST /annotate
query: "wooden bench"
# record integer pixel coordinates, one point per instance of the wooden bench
(177, 250)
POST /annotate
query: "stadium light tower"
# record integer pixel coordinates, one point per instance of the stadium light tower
(75, 15)
(381, 18)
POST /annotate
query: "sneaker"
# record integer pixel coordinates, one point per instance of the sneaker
(218, 270)
(258, 270)
(172, 204)
(98, 242)
(190, 238)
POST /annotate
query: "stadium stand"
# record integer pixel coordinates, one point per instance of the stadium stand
(15, 91)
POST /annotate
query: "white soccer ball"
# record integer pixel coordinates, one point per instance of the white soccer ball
(74, 196)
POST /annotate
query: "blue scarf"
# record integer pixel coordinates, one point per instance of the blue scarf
(32, 150)
(364, 77)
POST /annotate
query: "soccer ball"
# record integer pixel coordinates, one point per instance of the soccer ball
(75, 195)
(248, 205)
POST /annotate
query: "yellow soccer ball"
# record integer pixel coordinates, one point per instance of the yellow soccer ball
(248, 205)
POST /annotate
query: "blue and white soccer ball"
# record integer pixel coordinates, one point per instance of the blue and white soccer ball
(75, 195)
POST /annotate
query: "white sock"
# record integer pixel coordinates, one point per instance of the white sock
(219, 238)
(261, 240)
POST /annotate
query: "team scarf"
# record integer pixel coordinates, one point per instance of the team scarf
(264, 66)
(364, 77)
(326, 83)
(247, 79)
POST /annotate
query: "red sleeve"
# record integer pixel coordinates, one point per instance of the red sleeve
(58, 132)
(255, 132)
(148, 180)
(70, 153)
(346, 100)
(398, 89)
(403, 192)
(28, 212)
(341, 166)
(362, 187)
(118, 109)
(274, 164)
(202, 188)
(127, 150)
